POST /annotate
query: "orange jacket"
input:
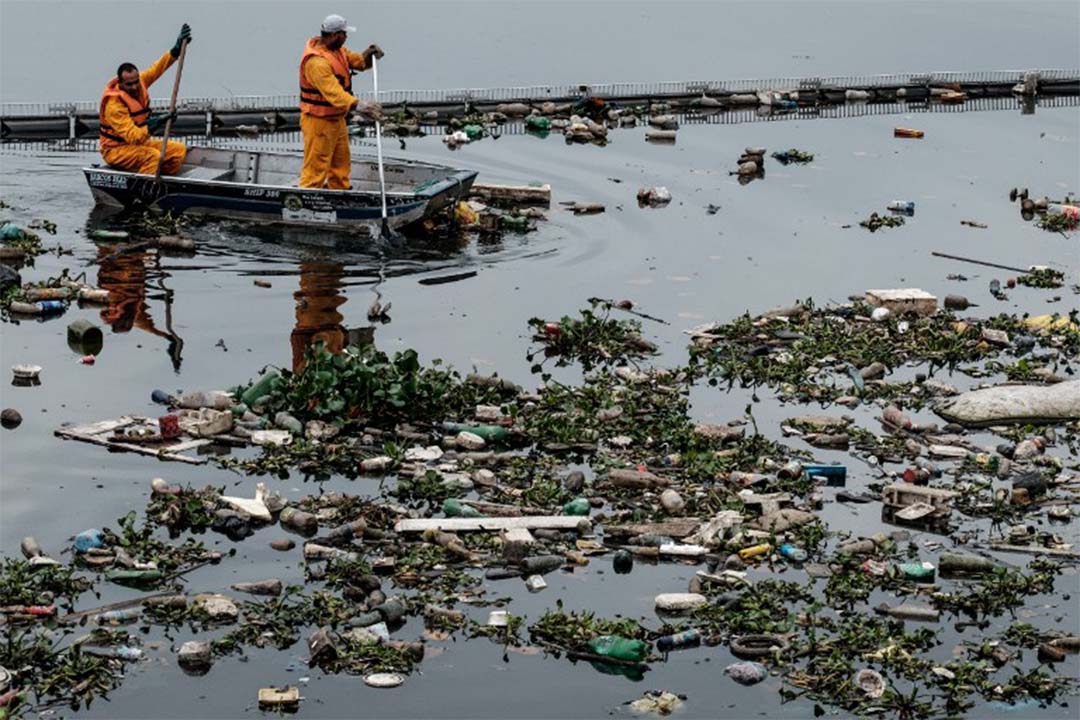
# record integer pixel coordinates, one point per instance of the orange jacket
(326, 79)
(123, 117)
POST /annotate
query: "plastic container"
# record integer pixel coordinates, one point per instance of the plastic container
(620, 648)
(213, 399)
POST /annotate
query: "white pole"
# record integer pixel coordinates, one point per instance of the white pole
(378, 138)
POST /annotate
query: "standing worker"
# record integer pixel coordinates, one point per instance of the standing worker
(326, 99)
(127, 123)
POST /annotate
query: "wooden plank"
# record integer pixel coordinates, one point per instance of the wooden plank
(163, 453)
(535, 522)
(1035, 550)
(101, 427)
(524, 194)
(679, 528)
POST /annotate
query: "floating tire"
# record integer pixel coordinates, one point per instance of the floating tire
(757, 646)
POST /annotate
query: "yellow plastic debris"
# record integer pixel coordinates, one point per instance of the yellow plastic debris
(1050, 323)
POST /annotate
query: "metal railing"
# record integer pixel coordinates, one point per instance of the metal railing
(292, 140)
(570, 91)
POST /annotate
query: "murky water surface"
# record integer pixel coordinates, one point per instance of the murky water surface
(199, 322)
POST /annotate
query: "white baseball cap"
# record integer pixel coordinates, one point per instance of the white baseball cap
(336, 23)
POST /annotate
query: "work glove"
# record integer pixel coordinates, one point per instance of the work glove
(184, 36)
(375, 50)
(158, 120)
(369, 110)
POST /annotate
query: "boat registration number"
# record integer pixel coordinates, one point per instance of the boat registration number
(307, 215)
(108, 180)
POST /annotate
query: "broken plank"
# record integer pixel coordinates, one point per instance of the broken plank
(672, 528)
(522, 194)
(1035, 550)
(162, 454)
(535, 522)
(103, 426)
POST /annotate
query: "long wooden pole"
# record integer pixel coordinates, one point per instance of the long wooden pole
(978, 262)
(172, 109)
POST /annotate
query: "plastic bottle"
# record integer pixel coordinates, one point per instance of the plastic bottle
(538, 123)
(684, 639)
(965, 563)
(30, 548)
(792, 553)
(123, 652)
(285, 421)
(303, 522)
(906, 207)
(454, 508)
(490, 433)
(109, 234)
(907, 133)
(578, 506)
(829, 472)
(89, 540)
(346, 532)
(755, 551)
(134, 577)
(620, 648)
(541, 564)
(266, 384)
(118, 616)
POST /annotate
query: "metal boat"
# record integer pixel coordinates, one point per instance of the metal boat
(260, 187)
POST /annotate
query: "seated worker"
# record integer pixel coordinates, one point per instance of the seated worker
(325, 100)
(126, 121)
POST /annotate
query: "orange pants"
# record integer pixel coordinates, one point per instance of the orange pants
(144, 158)
(327, 161)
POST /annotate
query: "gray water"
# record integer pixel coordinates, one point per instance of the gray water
(772, 242)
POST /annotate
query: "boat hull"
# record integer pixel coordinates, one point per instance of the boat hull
(419, 191)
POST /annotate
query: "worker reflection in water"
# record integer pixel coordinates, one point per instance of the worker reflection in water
(126, 121)
(317, 316)
(326, 98)
(124, 275)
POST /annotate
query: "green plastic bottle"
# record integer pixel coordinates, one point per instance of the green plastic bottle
(578, 506)
(618, 647)
(455, 508)
(474, 132)
(134, 577)
(266, 384)
(490, 433)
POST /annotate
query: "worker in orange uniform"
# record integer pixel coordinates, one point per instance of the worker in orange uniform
(326, 99)
(127, 123)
